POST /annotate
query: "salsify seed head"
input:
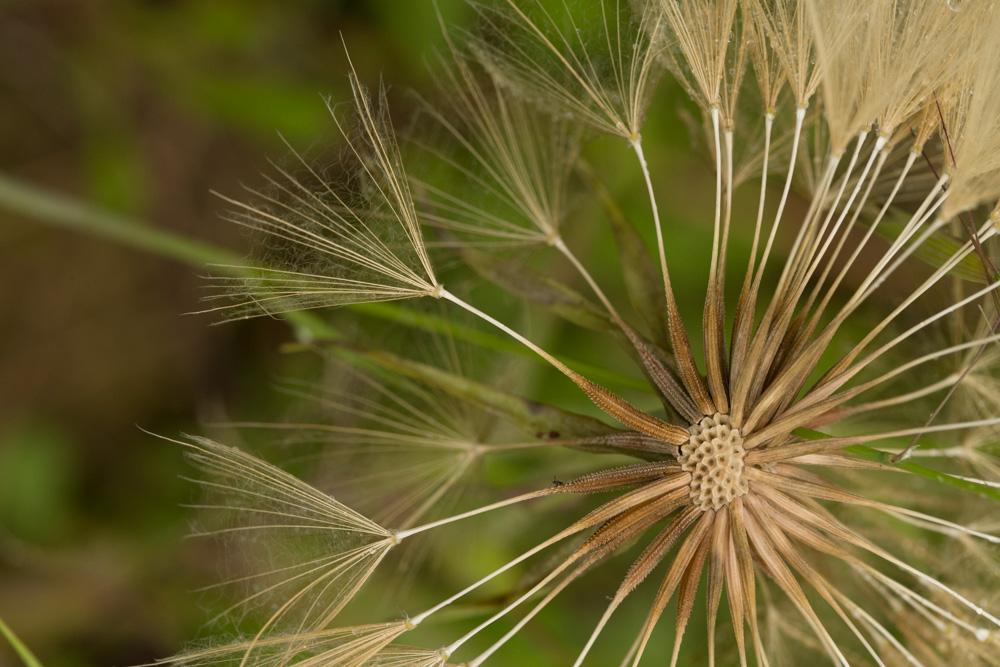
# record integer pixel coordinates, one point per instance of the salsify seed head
(813, 450)
(714, 458)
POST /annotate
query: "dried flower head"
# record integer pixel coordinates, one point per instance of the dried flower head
(780, 467)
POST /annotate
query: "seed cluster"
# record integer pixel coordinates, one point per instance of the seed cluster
(714, 457)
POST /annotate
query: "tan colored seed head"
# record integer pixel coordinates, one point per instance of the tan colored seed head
(714, 457)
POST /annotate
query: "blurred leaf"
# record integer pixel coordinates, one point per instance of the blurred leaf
(113, 163)
(115, 171)
(435, 324)
(22, 651)
(222, 24)
(262, 106)
(554, 296)
(411, 27)
(642, 278)
(240, 66)
(36, 473)
(533, 415)
(937, 250)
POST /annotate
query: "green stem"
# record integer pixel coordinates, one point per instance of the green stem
(59, 210)
(22, 651)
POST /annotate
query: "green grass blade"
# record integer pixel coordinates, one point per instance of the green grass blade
(885, 458)
(871, 454)
(22, 651)
(60, 210)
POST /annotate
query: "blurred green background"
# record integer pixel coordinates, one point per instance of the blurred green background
(141, 108)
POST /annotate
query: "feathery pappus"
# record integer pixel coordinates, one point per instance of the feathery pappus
(807, 463)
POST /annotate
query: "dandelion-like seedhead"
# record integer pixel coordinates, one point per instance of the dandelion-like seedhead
(825, 428)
